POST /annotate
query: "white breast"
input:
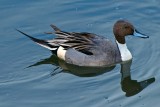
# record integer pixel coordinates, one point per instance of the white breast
(125, 53)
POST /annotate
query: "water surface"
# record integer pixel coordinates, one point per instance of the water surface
(29, 76)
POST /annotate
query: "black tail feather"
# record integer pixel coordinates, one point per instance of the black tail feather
(32, 38)
(39, 41)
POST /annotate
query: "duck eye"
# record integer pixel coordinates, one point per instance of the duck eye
(126, 27)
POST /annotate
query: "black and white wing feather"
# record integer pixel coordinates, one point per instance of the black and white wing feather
(81, 42)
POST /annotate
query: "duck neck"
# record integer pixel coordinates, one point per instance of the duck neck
(124, 52)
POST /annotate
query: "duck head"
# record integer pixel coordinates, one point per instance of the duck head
(123, 28)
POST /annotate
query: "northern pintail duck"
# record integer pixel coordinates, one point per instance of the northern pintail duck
(88, 49)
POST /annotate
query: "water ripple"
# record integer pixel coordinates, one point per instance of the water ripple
(35, 85)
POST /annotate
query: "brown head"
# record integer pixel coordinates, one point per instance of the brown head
(121, 29)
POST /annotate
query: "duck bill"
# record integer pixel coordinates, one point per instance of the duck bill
(138, 34)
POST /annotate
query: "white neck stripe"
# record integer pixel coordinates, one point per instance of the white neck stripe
(125, 53)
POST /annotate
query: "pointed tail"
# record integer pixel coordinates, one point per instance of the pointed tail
(40, 42)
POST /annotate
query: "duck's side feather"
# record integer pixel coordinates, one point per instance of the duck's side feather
(81, 42)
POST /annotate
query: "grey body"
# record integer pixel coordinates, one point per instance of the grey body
(102, 51)
(105, 53)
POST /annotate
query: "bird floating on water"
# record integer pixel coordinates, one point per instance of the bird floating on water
(88, 49)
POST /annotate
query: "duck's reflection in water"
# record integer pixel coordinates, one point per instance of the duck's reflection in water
(64, 67)
(132, 87)
(129, 86)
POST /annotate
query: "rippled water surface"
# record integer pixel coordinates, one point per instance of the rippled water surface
(32, 77)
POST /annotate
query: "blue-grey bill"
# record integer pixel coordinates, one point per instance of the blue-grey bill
(138, 34)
